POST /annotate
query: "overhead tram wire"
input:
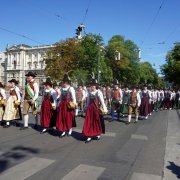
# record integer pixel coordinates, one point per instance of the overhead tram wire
(21, 35)
(86, 12)
(153, 21)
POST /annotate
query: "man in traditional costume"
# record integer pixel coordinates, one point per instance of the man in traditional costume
(134, 103)
(48, 107)
(66, 110)
(167, 99)
(80, 98)
(2, 102)
(30, 99)
(12, 108)
(94, 123)
(116, 100)
(108, 96)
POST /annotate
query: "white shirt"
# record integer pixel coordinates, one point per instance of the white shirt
(17, 90)
(2, 92)
(53, 94)
(36, 90)
(100, 96)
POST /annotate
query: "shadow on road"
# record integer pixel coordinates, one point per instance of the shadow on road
(16, 153)
(174, 168)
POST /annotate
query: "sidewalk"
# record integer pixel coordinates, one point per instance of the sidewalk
(172, 152)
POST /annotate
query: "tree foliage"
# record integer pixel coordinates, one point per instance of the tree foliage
(171, 69)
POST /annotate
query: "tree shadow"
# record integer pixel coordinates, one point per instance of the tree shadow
(16, 153)
(174, 168)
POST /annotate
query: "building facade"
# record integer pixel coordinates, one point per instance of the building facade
(2, 67)
(22, 58)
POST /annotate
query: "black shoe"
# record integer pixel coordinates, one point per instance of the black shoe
(6, 126)
(98, 138)
(23, 128)
(127, 123)
(61, 136)
(42, 132)
(135, 122)
(88, 141)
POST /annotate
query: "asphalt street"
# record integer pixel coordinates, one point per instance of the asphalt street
(148, 150)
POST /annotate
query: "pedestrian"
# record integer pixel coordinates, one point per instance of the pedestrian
(80, 98)
(66, 110)
(2, 102)
(12, 108)
(94, 123)
(116, 100)
(134, 103)
(48, 107)
(30, 99)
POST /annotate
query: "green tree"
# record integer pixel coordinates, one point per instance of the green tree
(171, 70)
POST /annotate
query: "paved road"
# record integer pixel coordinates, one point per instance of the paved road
(139, 151)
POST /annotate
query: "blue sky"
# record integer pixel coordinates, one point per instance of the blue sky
(130, 18)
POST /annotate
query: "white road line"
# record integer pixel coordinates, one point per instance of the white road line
(26, 169)
(142, 176)
(139, 137)
(84, 172)
(108, 134)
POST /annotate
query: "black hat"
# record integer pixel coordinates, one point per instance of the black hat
(48, 82)
(30, 74)
(81, 83)
(55, 83)
(93, 82)
(115, 82)
(66, 79)
(13, 81)
(1, 85)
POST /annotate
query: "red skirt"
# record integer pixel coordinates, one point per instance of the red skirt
(65, 117)
(48, 115)
(92, 124)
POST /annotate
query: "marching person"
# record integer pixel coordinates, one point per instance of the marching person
(125, 106)
(2, 102)
(57, 89)
(144, 108)
(30, 99)
(80, 98)
(134, 102)
(12, 109)
(108, 96)
(116, 100)
(48, 107)
(156, 98)
(66, 110)
(94, 123)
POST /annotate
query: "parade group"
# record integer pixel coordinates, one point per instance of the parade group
(62, 103)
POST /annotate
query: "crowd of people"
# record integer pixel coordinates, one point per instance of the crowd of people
(62, 103)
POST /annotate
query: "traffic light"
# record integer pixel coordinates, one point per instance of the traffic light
(79, 30)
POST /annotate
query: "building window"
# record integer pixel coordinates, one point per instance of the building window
(15, 63)
(35, 65)
(29, 65)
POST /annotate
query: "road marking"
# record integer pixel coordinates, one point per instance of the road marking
(140, 137)
(26, 169)
(108, 134)
(84, 172)
(141, 176)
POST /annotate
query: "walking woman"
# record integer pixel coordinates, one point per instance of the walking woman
(94, 123)
(66, 110)
(48, 107)
(12, 109)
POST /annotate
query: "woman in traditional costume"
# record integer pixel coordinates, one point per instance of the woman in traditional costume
(94, 123)
(48, 107)
(66, 110)
(12, 109)
(2, 102)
